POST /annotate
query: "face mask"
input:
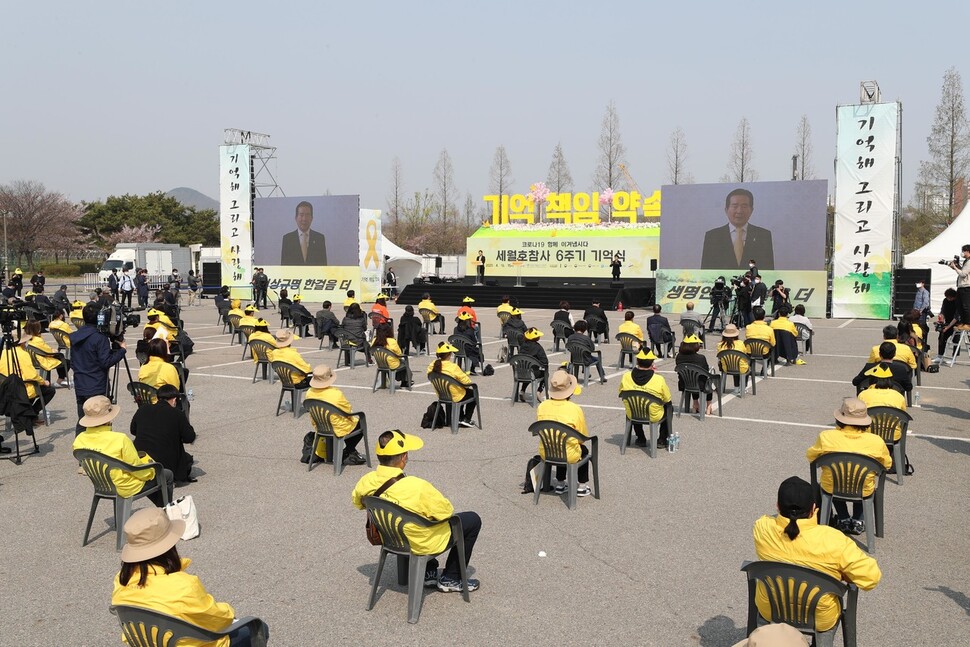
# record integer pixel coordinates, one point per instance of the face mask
(750, 264)
(919, 285)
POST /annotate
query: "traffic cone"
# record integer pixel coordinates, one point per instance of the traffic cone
(619, 306)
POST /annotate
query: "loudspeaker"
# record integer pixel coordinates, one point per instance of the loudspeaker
(653, 265)
(531, 284)
(492, 283)
(617, 284)
(417, 280)
(437, 261)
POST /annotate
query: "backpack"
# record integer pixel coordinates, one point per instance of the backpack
(428, 417)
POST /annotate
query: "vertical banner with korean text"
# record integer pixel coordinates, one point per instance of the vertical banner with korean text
(865, 199)
(371, 258)
(236, 217)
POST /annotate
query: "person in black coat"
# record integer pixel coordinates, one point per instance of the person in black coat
(161, 430)
(531, 347)
(355, 324)
(688, 354)
(410, 330)
(466, 331)
(563, 314)
(902, 373)
(141, 287)
(597, 328)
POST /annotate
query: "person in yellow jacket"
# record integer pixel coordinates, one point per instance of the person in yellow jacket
(158, 370)
(350, 300)
(644, 377)
(729, 341)
(631, 327)
(18, 360)
(903, 351)
(322, 388)
(882, 394)
(384, 337)
(795, 537)
(558, 408)
(261, 333)
(164, 328)
(153, 576)
(285, 352)
(427, 304)
(420, 497)
(58, 323)
(445, 366)
(851, 435)
(98, 436)
(758, 329)
(249, 317)
(505, 306)
(235, 308)
(76, 311)
(48, 360)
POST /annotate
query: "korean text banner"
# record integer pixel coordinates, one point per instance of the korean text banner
(235, 217)
(865, 198)
(307, 231)
(371, 258)
(782, 226)
(545, 252)
(315, 284)
(676, 287)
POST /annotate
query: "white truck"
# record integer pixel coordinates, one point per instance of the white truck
(158, 258)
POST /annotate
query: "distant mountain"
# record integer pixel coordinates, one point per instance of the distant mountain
(192, 198)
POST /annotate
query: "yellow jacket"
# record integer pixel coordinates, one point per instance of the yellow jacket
(394, 347)
(259, 335)
(342, 425)
(418, 496)
(236, 311)
(656, 386)
(427, 304)
(821, 548)
(903, 354)
(569, 414)
(28, 373)
(46, 363)
(179, 595)
(156, 372)
(739, 346)
(248, 320)
(451, 369)
(760, 330)
(57, 324)
(503, 307)
(292, 356)
(76, 314)
(117, 445)
(854, 441)
(782, 323)
(874, 397)
(632, 328)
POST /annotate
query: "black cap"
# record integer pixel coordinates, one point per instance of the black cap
(795, 497)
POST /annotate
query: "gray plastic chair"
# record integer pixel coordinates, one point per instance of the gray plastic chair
(347, 349)
(98, 468)
(320, 413)
(260, 350)
(761, 352)
(147, 628)
(284, 371)
(503, 318)
(629, 347)
(389, 519)
(441, 384)
(579, 357)
(430, 321)
(244, 333)
(553, 436)
(805, 337)
(233, 328)
(849, 472)
(691, 327)
(595, 322)
(698, 381)
(522, 373)
(794, 593)
(559, 333)
(637, 407)
(387, 374)
(885, 422)
(461, 357)
(144, 394)
(730, 363)
(514, 339)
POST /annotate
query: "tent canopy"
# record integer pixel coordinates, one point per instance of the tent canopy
(406, 265)
(942, 247)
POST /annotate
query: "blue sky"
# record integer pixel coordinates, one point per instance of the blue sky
(115, 97)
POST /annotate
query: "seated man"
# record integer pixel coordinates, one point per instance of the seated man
(661, 336)
(758, 329)
(261, 333)
(326, 324)
(787, 343)
(284, 352)
(558, 408)
(593, 356)
(164, 328)
(427, 304)
(692, 315)
(249, 317)
(161, 431)
(98, 436)
(563, 315)
(600, 325)
(630, 327)
(235, 309)
(881, 392)
(514, 323)
(795, 537)
(60, 300)
(505, 306)
(531, 347)
(322, 388)
(17, 360)
(77, 309)
(420, 497)
(902, 375)
(644, 378)
(301, 316)
(58, 323)
(350, 300)
(904, 353)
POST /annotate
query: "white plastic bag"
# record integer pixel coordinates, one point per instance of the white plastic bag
(184, 509)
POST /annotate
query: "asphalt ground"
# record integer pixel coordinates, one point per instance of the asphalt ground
(655, 561)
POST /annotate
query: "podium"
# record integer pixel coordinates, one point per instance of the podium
(478, 272)
(518, 273)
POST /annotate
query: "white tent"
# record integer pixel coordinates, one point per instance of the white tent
(406, 265)
(943, 246)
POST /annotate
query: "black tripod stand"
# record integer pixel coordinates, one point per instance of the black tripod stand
(8, 346)
(113, 382)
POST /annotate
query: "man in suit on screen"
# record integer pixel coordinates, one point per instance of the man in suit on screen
(304, 246)
(730, 246)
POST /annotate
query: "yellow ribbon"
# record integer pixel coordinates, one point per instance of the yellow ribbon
(371, 234)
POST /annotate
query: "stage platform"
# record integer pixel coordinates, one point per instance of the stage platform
(544, 293)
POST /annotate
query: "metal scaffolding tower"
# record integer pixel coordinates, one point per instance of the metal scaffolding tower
(262, 161)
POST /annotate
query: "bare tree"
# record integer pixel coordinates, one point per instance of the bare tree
(395, 199)
(469, 210)
(33, 212)
(949, 148)
(742, 156)
(677, 172)
(559, 179)
(444, 179)
(500, 174)
(803, 150)
(612, 152)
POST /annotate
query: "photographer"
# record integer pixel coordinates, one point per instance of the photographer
(92, 354)
(962, 268)
(779, 296)
(720, 299)
(742, 291)
(947, 319)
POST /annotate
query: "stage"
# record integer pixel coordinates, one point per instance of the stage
(544, 293)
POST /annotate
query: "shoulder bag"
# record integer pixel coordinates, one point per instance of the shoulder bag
(373, 536)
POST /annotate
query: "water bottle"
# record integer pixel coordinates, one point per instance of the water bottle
(676, 443)
(915, 399)
(190, 396)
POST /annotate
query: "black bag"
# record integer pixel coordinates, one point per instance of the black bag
(527, 486)
(488, 370)
(428, 417)
(308, 450)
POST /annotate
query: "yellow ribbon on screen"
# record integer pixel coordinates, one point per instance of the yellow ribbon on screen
(371, 234)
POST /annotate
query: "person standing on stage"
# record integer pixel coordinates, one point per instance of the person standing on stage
(616, 264)
(480, 266)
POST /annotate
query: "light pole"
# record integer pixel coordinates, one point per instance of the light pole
(6, 269)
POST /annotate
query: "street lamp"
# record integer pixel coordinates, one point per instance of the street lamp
(6, 270)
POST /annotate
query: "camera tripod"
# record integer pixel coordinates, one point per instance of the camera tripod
(8, 343)
(113, 382)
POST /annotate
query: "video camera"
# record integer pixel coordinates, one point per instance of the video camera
(737, 281)
(956, 259)
(114, 319)
(11, 315)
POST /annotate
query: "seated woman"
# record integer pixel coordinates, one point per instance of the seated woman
(153, 576)
(261, 333)
(531, 347)
(445, 366)
(565, 316)
(558, 408)
(355, 324)
(410, 330)
(881, 392)
(384, 338)
(56, 362)
(729, 341)
(465, 329)
(322, 388)
(159, 370)
(688, 354)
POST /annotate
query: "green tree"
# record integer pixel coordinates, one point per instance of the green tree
(177, 223)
